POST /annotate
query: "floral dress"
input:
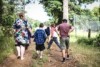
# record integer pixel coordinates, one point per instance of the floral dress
(21, 32)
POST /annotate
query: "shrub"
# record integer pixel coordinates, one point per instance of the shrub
(97, 41)
(85, 41)
(90, 41)
(6, 47)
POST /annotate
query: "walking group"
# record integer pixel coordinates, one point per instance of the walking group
(54, 33)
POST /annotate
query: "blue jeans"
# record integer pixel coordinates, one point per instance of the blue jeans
(55, 40)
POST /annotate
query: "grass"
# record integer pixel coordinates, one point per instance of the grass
(6, 47)
(38, 62)
(86, 55)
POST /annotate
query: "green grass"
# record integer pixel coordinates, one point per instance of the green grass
(87, 56)
(38, 62)
(6, 47)
(83, 34)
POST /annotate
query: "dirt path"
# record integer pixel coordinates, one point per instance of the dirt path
(12, 61)
(53, 61)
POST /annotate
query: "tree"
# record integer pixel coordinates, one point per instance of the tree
(6, 16)
(96, 11)
(1, 10)
(52, 8)
(65, 9)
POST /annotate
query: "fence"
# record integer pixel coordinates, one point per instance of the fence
(84, 23)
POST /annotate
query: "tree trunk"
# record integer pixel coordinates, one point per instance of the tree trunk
(65, 9)
(1, 11)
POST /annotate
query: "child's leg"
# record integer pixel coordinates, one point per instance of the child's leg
(57, 43)
(41, 54)
(37, 51)
(50, 43)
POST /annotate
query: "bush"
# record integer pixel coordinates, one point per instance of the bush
(97, 41)
(6, 47)
(85, 41)
(90, 41)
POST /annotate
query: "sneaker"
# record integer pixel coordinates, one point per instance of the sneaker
(18, 57)
(67, 56)
(63, 61)
(41, 56)
(22, 58)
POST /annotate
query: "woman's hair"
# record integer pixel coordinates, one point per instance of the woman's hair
(21, 15)
(52, 25)
(41, 25)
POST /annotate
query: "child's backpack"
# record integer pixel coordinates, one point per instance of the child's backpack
(39, 36)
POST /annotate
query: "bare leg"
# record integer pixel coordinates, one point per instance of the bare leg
(37, 52)
(41, 53)
(18, 50)
(63, 55)
(67, 53)
(22, 52)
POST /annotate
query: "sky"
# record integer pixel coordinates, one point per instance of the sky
(37, 12)
(91, 6)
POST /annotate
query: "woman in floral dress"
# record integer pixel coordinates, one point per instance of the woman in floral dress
(21, 30)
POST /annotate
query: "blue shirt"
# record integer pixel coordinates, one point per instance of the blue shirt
(39, 36)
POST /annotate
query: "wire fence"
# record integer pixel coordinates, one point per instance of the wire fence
(83, 24)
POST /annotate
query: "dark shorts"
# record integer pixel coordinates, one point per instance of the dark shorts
(40, 47)
(64, 42)
(18, 44)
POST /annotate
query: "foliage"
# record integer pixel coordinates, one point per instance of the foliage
(96, 11)
(85, 41)
(82, 1)
(7, 17)
(54, 8)
(86, 55)
(6, 47)
(97, 41)
(92, 41)
(38, 62)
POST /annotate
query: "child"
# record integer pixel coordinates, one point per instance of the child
(53, 37)
(39, 38)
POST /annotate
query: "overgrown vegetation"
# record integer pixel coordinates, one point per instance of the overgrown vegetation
(86, 55)
(7, 18)
(6, 47)
(38, 62)
(84, 52)
(90, 41)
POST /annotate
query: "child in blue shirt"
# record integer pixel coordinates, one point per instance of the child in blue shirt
(40, 38)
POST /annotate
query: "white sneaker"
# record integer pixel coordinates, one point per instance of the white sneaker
(41, 56)
(37, 52)
(22, 58)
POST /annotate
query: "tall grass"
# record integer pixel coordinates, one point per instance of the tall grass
(6, 47)
(86, 55)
